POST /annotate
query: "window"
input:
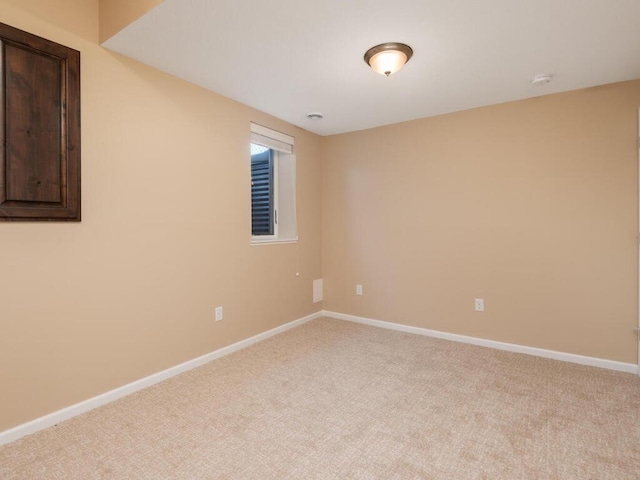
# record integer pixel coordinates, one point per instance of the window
(273, 187)
(262, 205)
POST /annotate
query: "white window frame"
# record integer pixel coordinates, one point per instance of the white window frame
(281, 144)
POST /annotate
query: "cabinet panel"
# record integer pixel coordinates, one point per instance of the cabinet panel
(40, 164)
(33, 148)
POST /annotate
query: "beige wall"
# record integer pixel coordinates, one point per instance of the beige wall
(117, 14)
(79, 17)
(165, 234)
(531, 205)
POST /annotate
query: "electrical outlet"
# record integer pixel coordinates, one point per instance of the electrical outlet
(358, 289)
(479, 305)
(218, 314)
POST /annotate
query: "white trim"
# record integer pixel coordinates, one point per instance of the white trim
(509, 347)
(54, 418)
(74, 410)
(268, 241)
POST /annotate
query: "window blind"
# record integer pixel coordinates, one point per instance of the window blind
(262, 193)
(271, 138)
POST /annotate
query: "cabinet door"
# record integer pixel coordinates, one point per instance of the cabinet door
(40, 162)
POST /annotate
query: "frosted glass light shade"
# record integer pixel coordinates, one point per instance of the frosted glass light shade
(388, 58)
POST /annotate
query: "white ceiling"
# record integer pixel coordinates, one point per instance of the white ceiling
(292, 57)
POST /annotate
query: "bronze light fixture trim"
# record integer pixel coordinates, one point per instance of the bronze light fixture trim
(388, 58)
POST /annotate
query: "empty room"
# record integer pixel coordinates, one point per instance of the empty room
(284, 239)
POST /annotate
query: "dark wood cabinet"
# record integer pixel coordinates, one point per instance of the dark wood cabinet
(40, 129)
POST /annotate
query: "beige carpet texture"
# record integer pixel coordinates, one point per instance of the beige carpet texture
(338, 400)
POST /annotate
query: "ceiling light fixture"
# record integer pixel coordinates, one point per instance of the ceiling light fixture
(388, 58)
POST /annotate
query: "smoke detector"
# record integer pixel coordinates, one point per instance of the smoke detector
(315, 116)
(540, 80)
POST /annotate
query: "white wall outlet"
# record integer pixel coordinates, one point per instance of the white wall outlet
(358, 289)
(479, 304)
(317, 290)
(218, 314)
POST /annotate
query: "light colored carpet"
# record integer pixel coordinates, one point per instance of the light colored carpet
(337, 400)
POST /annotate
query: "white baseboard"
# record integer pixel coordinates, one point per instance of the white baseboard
(82, 407)
(509, 347)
